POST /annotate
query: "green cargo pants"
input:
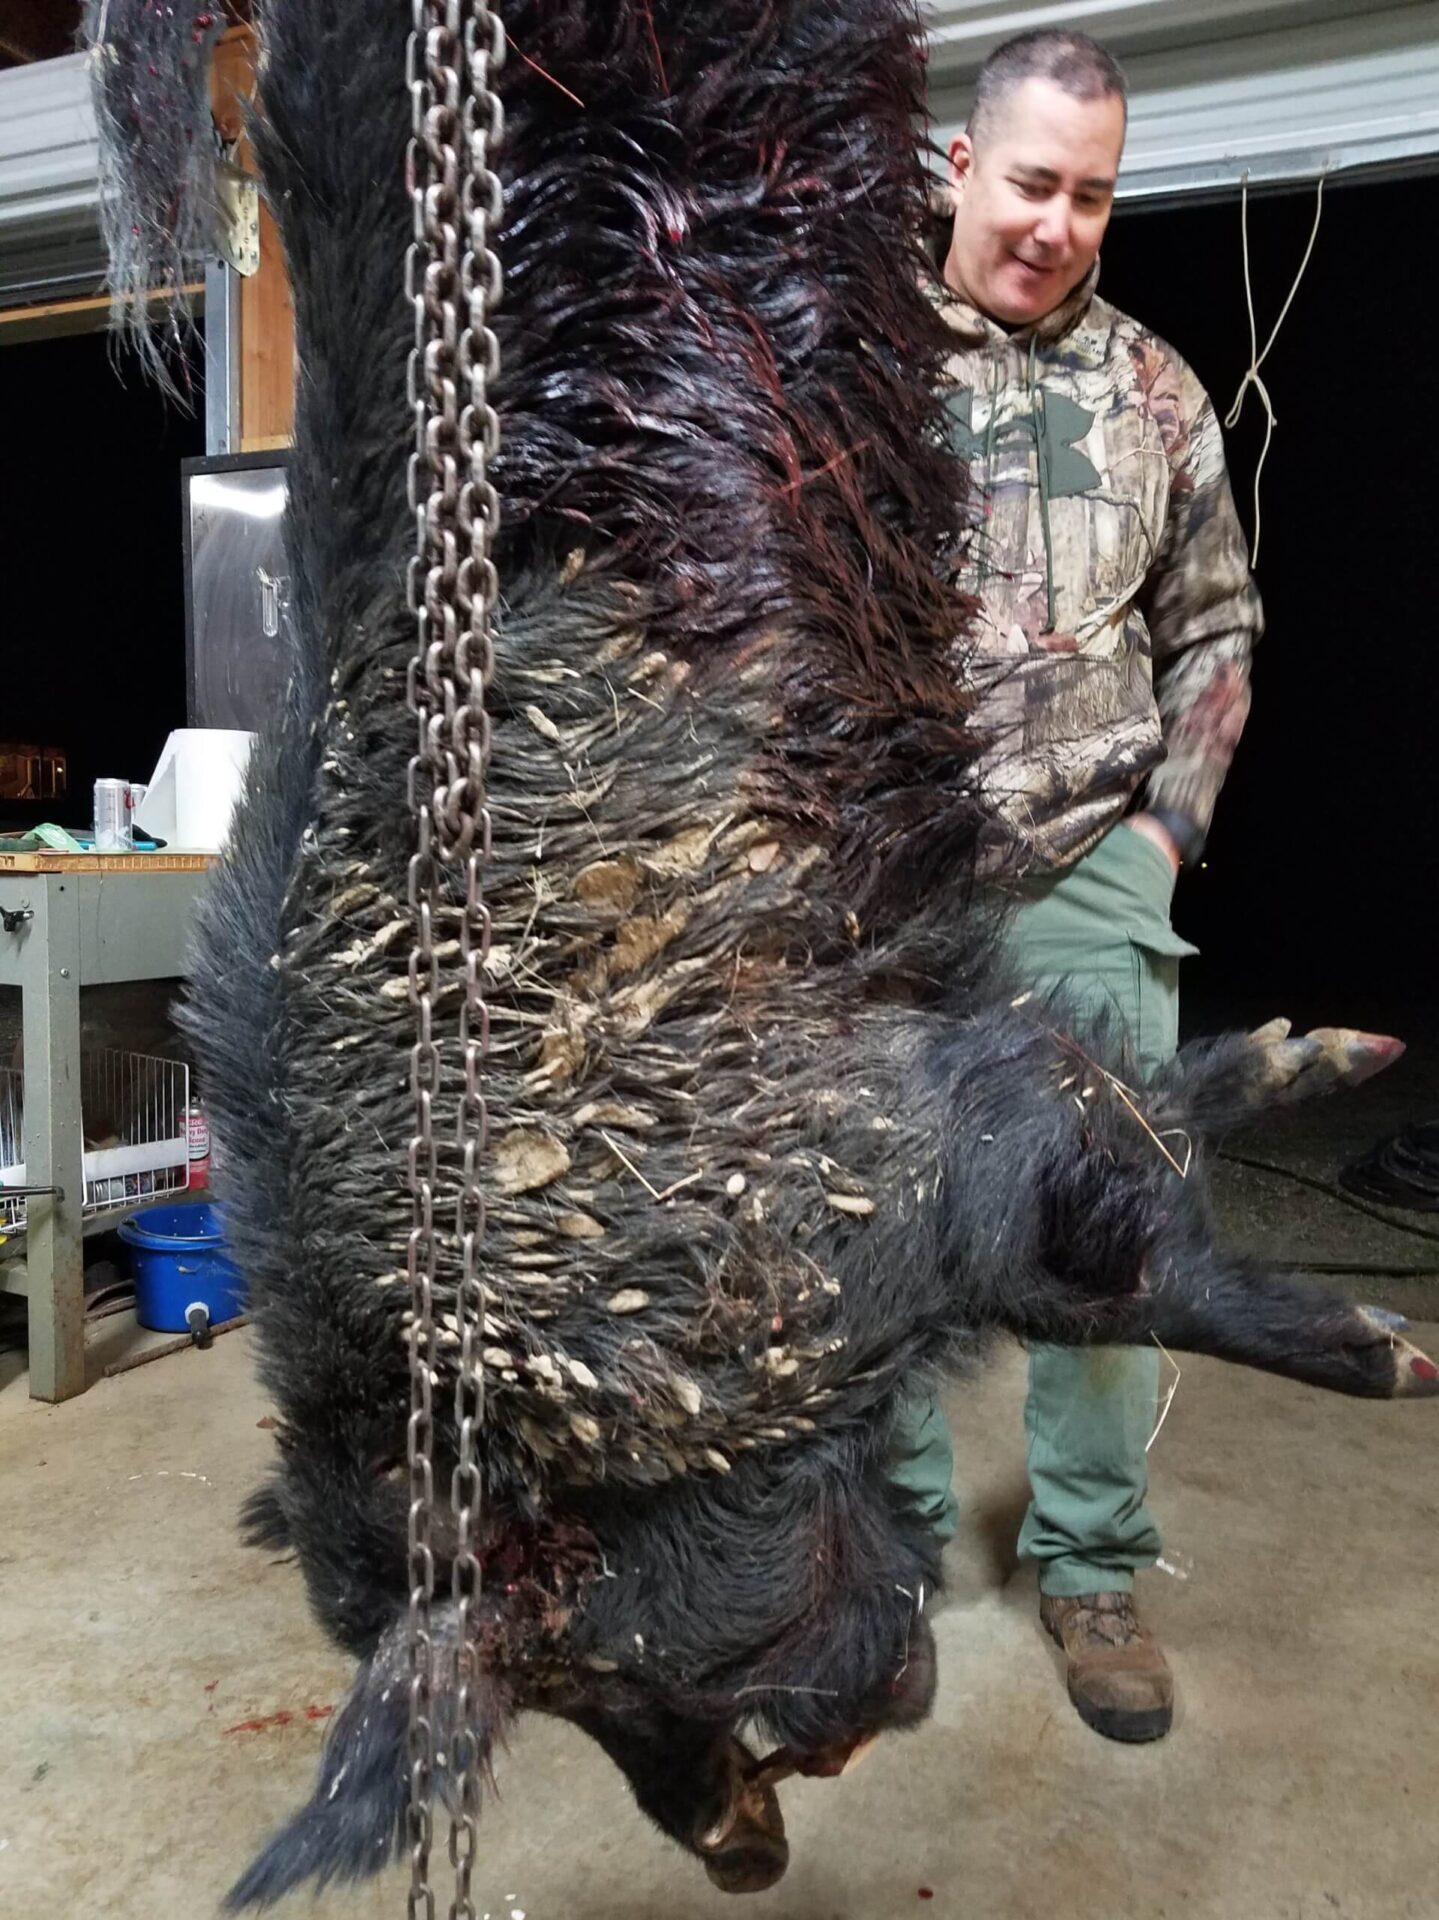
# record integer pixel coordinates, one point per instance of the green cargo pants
(1101, 930)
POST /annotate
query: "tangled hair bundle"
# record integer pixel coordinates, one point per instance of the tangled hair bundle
(158, 157)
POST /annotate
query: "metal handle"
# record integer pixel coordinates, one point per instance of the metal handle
(273, 601)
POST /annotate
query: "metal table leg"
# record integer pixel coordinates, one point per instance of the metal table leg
(54, 1143)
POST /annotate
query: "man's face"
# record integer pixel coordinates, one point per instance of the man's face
(1032, 198)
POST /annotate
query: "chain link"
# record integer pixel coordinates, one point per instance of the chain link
(453, 281)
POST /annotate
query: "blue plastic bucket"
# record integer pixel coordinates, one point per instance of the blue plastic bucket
(179, 1259)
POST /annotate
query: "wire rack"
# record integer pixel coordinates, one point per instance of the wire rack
(132, 1109)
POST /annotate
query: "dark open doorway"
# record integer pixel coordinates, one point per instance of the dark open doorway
(94, 567)
(1319, 891)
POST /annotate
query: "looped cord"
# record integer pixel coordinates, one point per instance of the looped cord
(1253, 378)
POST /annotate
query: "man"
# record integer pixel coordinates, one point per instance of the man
(1116, 621)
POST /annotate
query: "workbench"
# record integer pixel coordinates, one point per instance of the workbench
(72, 921)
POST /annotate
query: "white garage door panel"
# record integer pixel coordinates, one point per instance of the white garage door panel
(962, 32)
(49, 229)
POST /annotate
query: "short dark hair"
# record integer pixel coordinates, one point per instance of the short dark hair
(1072, 62)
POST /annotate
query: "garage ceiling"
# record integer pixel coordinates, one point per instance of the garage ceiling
(1280, 89)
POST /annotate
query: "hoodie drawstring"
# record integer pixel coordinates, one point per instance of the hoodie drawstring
(1041, 463)
(996, 387)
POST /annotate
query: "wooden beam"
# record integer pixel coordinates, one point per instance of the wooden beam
(45, 862)
(267, 319)
(52, 319)
(232, 86)
(267, 347)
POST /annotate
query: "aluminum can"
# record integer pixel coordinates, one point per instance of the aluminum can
(114, 817)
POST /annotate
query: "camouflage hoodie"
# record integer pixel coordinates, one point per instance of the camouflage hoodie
(1117, 614)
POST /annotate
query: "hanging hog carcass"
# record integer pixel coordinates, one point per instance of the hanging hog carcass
(766, 1136)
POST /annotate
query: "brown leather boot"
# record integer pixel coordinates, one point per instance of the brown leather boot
(1118, 1679)
(745, 1851)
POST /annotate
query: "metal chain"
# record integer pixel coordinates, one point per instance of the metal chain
(478, 589)
(454, 283)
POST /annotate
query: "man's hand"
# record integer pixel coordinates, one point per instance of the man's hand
(1156, 831)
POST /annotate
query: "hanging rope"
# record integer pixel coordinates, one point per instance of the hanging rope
(1253, 377)
(453, 280)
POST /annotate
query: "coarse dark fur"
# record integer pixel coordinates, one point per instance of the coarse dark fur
(774, 1140)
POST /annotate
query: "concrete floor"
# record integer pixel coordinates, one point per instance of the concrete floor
(1393, 1255)
(1299, 1612)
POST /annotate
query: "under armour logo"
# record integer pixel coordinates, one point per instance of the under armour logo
(1053, 427)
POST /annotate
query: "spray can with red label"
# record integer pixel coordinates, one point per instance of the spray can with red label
(197, 1143)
